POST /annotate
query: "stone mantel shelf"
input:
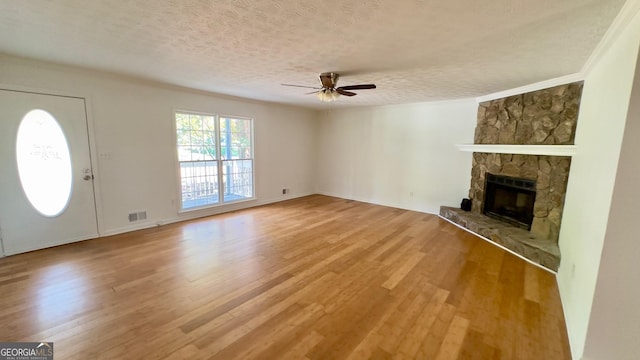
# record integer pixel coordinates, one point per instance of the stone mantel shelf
(553, 150)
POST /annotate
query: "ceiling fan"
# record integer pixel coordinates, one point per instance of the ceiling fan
(329, 92)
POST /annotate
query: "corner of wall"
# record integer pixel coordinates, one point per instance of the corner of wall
(608, 79)
(622, 21)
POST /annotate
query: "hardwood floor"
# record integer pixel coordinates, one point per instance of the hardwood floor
(310, 278)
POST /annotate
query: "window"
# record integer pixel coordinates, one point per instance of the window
(215, 157)
(44, 163)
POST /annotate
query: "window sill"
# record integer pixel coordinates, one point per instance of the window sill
(215, 206)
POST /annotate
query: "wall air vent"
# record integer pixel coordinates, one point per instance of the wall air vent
(137, 216)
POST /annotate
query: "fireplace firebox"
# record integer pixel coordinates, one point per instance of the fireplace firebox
(510, 199)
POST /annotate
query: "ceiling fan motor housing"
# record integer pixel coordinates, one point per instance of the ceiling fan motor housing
(329, 79)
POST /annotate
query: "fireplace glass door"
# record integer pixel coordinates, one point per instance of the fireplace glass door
(510, 199)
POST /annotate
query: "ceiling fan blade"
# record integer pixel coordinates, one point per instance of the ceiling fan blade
(302, 86)
(313, 92)
(358, 87)
(341, 91)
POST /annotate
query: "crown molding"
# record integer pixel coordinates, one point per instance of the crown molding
(629, 10)
(532, 87)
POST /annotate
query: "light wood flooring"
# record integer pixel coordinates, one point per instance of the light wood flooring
(310, 278)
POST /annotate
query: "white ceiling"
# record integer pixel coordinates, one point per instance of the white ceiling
(413, 50)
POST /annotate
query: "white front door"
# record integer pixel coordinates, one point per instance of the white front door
(46, 181)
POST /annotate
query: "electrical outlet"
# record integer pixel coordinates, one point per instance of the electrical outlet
(285, 191)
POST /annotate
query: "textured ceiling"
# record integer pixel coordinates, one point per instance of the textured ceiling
(413, 50)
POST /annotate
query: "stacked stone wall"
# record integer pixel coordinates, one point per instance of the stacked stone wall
(543, 117)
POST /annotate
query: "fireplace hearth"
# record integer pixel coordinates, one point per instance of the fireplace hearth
(510, 199)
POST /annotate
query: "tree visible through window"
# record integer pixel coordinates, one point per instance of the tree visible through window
(215, 156)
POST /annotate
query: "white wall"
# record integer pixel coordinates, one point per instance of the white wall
(132, 124)
(614, 327)
(601, 123)
(402, 156)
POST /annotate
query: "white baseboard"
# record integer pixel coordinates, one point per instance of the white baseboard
(200, 214)
(369, 201)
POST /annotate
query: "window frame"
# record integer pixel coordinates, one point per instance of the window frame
(218, 160)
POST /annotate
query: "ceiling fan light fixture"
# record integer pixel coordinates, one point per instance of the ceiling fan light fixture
(328, 95)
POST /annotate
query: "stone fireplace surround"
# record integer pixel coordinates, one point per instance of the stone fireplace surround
(550, 174)
(544, 117)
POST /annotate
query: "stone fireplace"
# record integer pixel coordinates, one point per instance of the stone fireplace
(526, 216)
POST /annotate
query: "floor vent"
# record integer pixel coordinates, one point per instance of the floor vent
(138, 216)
